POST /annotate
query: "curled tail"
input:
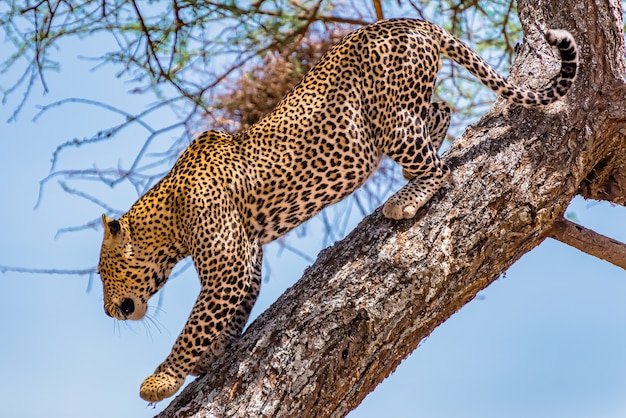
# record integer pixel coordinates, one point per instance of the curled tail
(456, 50)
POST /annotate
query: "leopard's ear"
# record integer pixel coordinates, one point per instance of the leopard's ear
(111, 228)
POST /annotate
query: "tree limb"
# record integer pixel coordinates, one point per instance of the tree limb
(589, 242)
(607, 180)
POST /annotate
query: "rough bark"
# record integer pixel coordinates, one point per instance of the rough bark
(370, 299)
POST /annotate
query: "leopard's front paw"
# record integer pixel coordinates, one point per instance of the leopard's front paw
(159, 386)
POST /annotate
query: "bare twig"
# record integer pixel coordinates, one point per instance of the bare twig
(70, 272)
(379, 10)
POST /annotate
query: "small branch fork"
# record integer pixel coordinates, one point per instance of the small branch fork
(605, 182)
(589, 242)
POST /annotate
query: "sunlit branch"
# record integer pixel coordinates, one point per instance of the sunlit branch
(590, 242)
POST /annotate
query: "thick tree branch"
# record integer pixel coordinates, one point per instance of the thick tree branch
(607, 180)
(369, 300)
(589, 242)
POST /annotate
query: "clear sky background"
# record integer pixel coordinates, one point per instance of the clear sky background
(546, 340)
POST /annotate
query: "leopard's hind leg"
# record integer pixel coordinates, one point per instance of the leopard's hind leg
(438, 124)
(409, 144)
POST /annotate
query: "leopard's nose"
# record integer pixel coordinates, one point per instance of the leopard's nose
(127, 307)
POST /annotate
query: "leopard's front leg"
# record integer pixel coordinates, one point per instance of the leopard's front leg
(170, 375)
(228, 264)
(237, 322)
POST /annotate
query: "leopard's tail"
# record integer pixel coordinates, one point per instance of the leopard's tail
(456, 50)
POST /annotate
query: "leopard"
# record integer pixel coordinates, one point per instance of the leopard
(229, 194)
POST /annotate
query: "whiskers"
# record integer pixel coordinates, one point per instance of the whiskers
(150, 320)
(116, 326)
(149, 323)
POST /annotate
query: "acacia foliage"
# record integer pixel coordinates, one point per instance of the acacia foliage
(193, 55)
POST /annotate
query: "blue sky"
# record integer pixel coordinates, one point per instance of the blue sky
(546, 340)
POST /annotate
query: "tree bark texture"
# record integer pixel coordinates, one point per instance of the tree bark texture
(370, 299)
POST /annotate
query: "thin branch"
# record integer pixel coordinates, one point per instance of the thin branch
(88, 197)
(72, 272)
(379, 10)
(589, 242)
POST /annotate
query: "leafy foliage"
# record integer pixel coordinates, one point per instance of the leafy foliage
(161, 44)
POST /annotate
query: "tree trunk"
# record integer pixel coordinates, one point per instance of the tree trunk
(370, 299)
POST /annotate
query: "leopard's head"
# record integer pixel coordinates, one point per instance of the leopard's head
(132, 269)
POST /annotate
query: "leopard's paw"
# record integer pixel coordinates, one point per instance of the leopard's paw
(397, 209)
(159, 386)
(405, 203)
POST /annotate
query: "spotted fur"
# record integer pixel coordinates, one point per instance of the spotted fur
(227, 195)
